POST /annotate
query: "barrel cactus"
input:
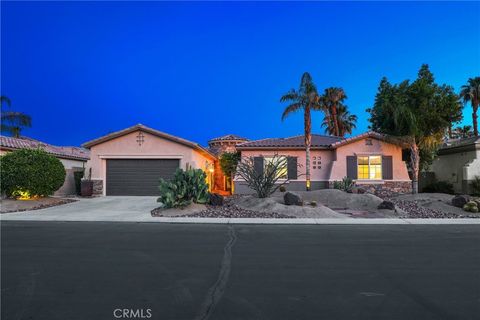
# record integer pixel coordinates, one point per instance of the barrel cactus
(187, 186)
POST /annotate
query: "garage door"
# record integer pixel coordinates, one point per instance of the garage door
(138, 177)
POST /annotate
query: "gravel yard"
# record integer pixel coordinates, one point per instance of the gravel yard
(430, 205)
(12, 205)
(330, 203)
(228, 210)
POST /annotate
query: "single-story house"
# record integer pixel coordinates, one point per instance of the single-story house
(72, 158)
(458, 162)
(370, 159)
(130, 162)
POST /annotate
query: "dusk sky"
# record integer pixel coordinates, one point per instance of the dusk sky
(201, 70)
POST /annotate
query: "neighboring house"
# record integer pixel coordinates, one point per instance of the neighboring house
(131, 161)
(458, 162)
(368, 159)
(72, 158)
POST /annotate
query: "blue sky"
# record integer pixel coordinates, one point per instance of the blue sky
(200, 70)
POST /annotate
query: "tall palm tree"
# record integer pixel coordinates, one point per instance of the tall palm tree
(305, 98)
(471, 93)
(331, 99)
(12, 122)
(346, 121)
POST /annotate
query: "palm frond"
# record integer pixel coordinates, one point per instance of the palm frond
(291, 95)
(291, 109)
(6, 100)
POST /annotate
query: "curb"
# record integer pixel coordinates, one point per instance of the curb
(261, 221)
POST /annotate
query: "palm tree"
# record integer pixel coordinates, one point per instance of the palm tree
(346, 121)
(471, 93)
(463, 132)
(12, 122)
(305, 98)
(331, 100)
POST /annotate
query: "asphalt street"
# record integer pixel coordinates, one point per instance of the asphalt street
(83, 270)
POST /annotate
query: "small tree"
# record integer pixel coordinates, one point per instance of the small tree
(31, 173)
(229, 162)
(266, 181)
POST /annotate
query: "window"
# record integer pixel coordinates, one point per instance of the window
(369, 167)
(283, 172)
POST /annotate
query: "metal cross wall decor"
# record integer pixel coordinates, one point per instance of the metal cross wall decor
(140, 138)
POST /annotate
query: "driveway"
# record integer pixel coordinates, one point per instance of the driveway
(94, 209)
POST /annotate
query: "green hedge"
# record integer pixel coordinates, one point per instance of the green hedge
(32, 171)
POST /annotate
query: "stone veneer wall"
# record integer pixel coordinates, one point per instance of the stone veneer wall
(388, 188)
(97, 187)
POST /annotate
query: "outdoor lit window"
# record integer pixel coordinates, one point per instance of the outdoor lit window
(369, 167)
(268, 161)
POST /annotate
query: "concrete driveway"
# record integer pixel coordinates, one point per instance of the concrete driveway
(94, 209)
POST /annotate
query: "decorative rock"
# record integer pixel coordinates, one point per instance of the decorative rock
(460, 200)
(216, 199)
(291, 198)
(358, 190)
(387, 205)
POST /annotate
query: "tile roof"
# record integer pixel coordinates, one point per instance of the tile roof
(11, 143)
(461, 142)
(318, 141)
(228, 137)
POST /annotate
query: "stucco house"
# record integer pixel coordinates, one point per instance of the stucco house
(130, 161)
(458, 162)
(369, 159)
(72, 158)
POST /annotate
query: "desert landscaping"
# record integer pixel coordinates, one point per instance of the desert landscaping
(328, 203)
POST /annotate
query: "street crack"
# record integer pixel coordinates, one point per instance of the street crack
(216, 292)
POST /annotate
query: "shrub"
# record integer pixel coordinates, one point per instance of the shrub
(78, 175)
(439, 187)
(476, 186)
(187, 186)
(471, 206)
(229, 162)
(31, 173)
(266, 182)
(313, 203)
(346, 184)
(282, 188)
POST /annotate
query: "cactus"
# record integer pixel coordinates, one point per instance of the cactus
(187, 186)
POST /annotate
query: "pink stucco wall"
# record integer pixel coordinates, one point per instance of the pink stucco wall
(317, 174)
(153, 147)
(334, 166)
(360, 148)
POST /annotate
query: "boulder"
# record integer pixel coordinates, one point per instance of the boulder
(291, 198)
(358, 190)
(216, 199)
(387, 205)
(460, 200)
